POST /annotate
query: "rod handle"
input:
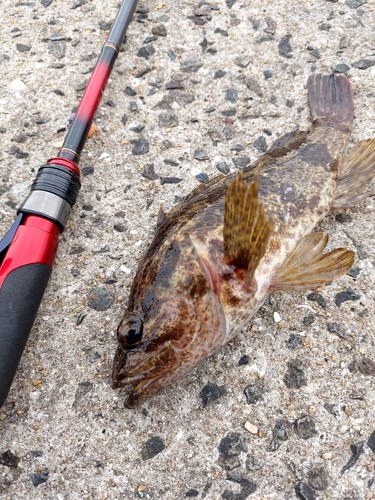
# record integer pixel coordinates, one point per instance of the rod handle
(20, 297)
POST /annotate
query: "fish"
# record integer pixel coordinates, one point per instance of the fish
(218, 255)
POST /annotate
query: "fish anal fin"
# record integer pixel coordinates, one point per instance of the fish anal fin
(357, 171)
(246, 228)
(308, 267)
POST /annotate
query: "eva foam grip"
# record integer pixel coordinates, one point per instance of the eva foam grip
(20, 297)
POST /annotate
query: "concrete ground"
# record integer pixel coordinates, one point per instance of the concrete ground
(228, 78)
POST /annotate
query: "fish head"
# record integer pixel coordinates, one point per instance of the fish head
(174, 321)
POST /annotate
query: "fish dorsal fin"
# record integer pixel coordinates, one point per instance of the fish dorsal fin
(307, 266)
(356, 171)
(246, 228)
(286, 140)
(161, 216)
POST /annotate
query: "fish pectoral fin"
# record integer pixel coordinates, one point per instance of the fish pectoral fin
(308, 267)
(356, 172)
(246, 229)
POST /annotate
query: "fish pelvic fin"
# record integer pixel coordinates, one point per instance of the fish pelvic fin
(308, 267)
(246, 228)
(357, 170)
(330, 99)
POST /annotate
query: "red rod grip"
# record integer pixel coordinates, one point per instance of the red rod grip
(35, 242)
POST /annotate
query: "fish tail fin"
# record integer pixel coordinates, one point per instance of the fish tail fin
(330, 98)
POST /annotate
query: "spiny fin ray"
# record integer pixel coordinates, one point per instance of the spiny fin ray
(356, 171)
(246, 228)
(307, 266)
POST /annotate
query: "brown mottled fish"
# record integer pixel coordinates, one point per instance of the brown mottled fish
(218, 255)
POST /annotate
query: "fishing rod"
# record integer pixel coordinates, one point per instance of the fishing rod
(27, 251)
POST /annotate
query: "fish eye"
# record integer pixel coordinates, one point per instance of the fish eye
(130, 331)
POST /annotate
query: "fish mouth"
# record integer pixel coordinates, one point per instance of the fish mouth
(132, 367)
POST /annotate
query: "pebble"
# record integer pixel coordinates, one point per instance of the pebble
(342, 218)
(149, 172)
(120, 228)
(172, 163)
(341, 68)
(284, 47)
(99, 299)
(295, 378)
(22, 47)
(191, 493)
(219, 74)
(201, 154)
(152, 447)
(39, 477)
(305, 427)
(150, 39)
(57, 49)
(252, 463)
(253, 429)
(261, 144)
(168, 120)
(130, 92)
(231, 95)
(211, 393)
(242, 62)
(366, 366)
(229, 133)
(294, 341)
(356, 450)
(308, 320)
(138, 128)
(223, 167)
(191, 65)
(318, 478)
(267, 74)
(253, 85)
(133, 106)
(197, 20)
(327, 456)
(345, 296)
(279, 434)
(247, 486)
(221, 31)
(232, 445)
(254, 393)
(305, 492)
(141, 147)
(202, 177)
(364, 63)
(170, 180)
(354, 4)
(159, 30)
(241, 161)
(371, 442)
(229, 112)
(9, 459)
(146, 51)
(174, 85)
(337, 330)
(244, 360)
(316, 297)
